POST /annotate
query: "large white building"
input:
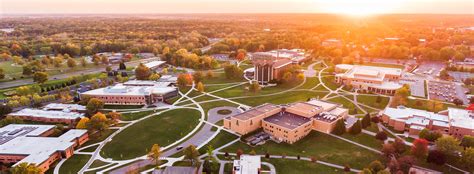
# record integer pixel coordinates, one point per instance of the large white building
(455, 122)
(29, 143)
(380, 80)
(295, 55)
(136, 92)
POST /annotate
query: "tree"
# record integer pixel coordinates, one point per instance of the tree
(184, 80)
(192, 154)
(467, 141)
(388, 149)
(232, 71)
(26, 168)
(155, 153)
(419, 148)
(98, 122)
(467, 158)
(239, 153)
(200, 87)
(104, 60)
(254, 87)
(340, 127)
(366, 121)
(4, 110)
(448, 145)
(154, 77)
(434, 105)
(382, 136)
(108, 69)
(142, 72)
(209, 74)
(82, 124)
(10, 120)
(437, 157)
(83, 62)
(122, 66)
(2, 73)
(71, 63)
(27, 70)
(458, 102)
(198, 76)
(399, 146)
(356, 128)
(40, 77)
(114, 116)
(376, 166)
(94, 105)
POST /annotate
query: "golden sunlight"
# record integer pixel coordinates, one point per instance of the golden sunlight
(359, 8)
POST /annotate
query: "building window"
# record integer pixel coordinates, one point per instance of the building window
(237, 122)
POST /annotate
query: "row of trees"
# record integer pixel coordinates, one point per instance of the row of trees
(186, 59)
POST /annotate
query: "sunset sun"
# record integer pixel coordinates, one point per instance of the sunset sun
(362, 7)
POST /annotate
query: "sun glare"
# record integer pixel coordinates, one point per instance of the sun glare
(360, 8)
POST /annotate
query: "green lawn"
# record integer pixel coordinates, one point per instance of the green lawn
(412, 103)
(162, 129)
(98, 163)
(74, 164)
(301, 167)
(310, 83)
(323, 146)
(287, 97)
(210, 105)
(135, 115)
(364, 139)
(241, 91)
(329, 81)
(221, 139)
(90, 149)
(372, 101)
(347, 104)
(219, 78)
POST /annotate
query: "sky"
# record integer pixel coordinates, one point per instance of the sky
(352, 7)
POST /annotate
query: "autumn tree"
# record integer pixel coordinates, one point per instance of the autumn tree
(26, 168)
(254, 87)
(114, 116)
(82, 124)
(184, 80)
(2, 73)
(40, 77)
(71, 63)
(382, 136)
(155, 154)
(94, 105)
(467, 158)
(419, 148)
(467, 141)
(98, 122)
(83, 62)
(366, 121)
(142, 72)
(434, 105)
(200, 87)
(233, 71)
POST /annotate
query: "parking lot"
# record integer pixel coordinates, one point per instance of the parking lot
(431, 69)
(446, 91)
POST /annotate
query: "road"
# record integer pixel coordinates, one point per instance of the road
(22, 82)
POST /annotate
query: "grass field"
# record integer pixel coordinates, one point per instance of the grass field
(162, 129)
(220, 78)
(74, 164)
(320, 145)
(310, 83)
(383, 65)
(135, 115)
(301, 167)
(421, 104)
(329, 81)
(364, 139)
(372, 101)
(241, 91)
(347, 104)
(95, 138)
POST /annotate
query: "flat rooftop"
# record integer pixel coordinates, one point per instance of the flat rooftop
(368, 72)
(123, 90)
(287, 120)
(66, 107)
(48, 114)
(327, 106)
(257, 111)
(25, 140)
(154, 64)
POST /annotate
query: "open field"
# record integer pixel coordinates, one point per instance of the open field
(162, 129)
